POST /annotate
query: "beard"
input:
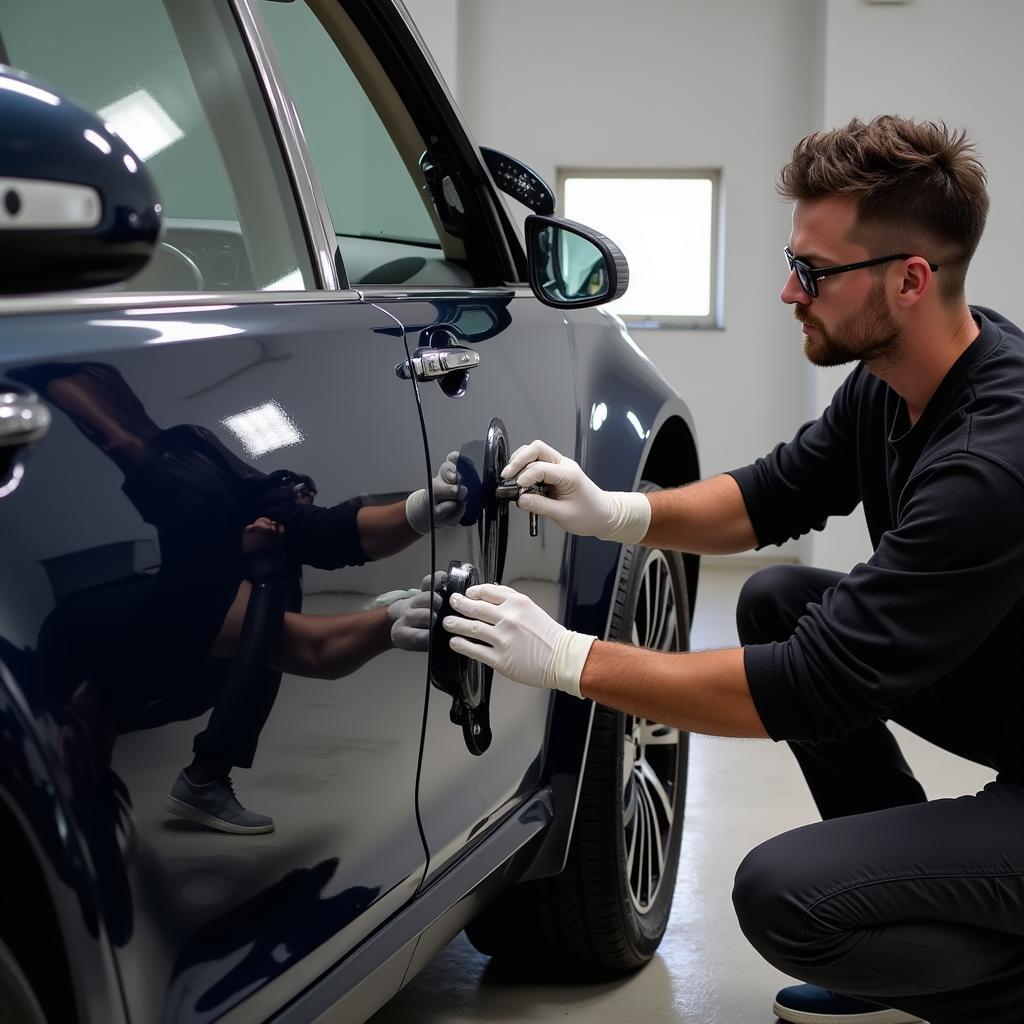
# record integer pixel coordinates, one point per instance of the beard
(870, 335)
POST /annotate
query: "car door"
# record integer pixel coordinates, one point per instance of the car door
(234, 381)
(419, 231)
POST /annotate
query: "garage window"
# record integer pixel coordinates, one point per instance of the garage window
(667, 224)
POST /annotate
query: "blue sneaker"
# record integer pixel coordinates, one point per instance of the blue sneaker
(808, 1004)
(215, 806)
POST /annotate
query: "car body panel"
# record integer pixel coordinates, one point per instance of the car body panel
(366, 980)
(337, 760)
(31, 794)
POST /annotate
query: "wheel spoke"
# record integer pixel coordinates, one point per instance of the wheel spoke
(645, 859)
(653, 857)
(653, 624)
(632, 830)
(650, 607)
(653, 783)
(627, 765)
(654, 609)
(637, 879)
(668, 632)
(654, 615)
(652, 837)
(634, 853)
(641, 823)
(644, 625)
(668, 622)
(656, 852)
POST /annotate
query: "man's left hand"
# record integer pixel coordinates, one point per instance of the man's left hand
(504, 629)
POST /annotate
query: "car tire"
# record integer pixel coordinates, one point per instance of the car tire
(608, 910)
(17, 999)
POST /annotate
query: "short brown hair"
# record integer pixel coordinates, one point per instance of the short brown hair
(918, 187)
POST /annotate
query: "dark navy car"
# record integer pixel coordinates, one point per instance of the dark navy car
(268, 334)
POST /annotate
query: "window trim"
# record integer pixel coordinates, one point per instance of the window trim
(298, 161)
(714, 319)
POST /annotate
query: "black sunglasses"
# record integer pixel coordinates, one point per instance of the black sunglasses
(809, 276)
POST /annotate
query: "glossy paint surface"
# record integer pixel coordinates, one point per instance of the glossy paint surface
(123, 570)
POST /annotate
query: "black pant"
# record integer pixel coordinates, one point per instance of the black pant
(246, 697)
(911, 903)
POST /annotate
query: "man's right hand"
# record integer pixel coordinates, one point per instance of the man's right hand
(575, 502)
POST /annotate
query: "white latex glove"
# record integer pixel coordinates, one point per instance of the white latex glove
(506, 630)
(449, 499)
(412, 615)
(576, 503)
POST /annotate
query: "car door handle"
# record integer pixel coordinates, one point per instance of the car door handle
(432, 363)
(23, 419)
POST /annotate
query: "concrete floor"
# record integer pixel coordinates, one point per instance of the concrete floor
(740, 793)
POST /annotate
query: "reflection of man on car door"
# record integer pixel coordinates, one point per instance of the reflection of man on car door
(220, 620)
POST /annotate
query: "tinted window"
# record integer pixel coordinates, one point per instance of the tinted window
(367, 154)
(175, 81)
(368, 187)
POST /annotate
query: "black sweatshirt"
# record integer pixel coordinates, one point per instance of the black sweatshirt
(939, 606)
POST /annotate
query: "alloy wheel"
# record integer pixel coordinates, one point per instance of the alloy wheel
(650, 750)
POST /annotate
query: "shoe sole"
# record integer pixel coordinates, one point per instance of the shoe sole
(874, 1017)
(184, 810)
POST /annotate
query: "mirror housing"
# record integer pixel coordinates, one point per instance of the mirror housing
(77, 207)
(573, 266)
(520, 182)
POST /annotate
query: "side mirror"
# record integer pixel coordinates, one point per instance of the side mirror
(571, 265)
(77, 207)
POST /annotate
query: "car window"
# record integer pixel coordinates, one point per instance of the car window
(174, 80)
(372, 168)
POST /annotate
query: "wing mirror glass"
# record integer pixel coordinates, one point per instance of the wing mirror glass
(77, 207)
(572, 265)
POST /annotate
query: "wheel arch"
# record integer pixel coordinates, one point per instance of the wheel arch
(672, 461)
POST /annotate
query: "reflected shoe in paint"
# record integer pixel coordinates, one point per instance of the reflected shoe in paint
(808, 1004)
(215, 806)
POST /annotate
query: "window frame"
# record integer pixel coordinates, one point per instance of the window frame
(716, 305)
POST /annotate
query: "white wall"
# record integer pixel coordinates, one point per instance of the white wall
(734, 84)
(438, 23)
